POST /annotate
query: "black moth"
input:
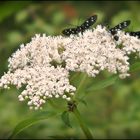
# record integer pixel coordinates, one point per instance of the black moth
(89, 22)
(119, 27)
(136, 34)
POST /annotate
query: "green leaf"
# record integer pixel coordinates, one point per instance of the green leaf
(102, 84)
(83, 101)
(135, 67)
(8, 8)
(31, 120)
(65, 118)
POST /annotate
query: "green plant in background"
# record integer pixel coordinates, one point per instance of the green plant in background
(100, 102)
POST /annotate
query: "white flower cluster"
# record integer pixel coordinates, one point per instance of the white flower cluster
(130, 44)
(43, 65)
(95, 51)
(41, 83)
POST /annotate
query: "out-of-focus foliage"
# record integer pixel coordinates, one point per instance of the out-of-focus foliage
(112, 112)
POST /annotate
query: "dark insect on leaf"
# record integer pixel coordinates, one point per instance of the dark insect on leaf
(89, 22)
(135, 34)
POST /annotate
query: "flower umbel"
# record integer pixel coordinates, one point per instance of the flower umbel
(92, 52)
(95, 51)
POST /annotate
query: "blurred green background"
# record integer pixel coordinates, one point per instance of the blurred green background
(113, 112)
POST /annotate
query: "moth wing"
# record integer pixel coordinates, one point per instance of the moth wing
(69, 31)
(135, 34)
(89, 22)
(122, 25)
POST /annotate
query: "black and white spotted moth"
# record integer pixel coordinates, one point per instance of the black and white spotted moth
(135, 34)
(119, 27)
(91, 20)
(88, 22)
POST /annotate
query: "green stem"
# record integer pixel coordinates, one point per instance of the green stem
(82, 124)
(81, 83)
(74, 76)
(77, 113)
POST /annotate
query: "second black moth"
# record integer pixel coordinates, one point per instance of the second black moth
(135, 34)
(88, 22)
(119, 27)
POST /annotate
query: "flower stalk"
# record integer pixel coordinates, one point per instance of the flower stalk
(77, 114)
(73, 108)
(82, 124)
(81, 83)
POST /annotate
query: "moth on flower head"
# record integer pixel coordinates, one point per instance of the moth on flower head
(32, 68)
(119, 27)
(88, 22)
(135, 34)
